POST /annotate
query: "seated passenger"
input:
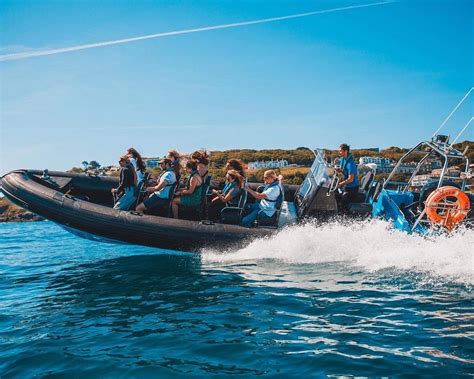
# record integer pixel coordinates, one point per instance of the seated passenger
(190, 197)
(237, 165)
(267, 199)
(229, 196)
(139, 167)
(349, 186)
(202, 158)
(175, 158)
(160, 194)
(126, 191)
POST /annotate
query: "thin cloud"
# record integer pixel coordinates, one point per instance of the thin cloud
(25, 55)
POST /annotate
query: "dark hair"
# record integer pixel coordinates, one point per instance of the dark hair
(201, 156)
(237, 165)
(192, 164)
(345, 147)
(174, 154)
(135, 154)
(236, 176)
(166, 161)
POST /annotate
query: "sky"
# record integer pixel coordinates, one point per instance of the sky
(377, 76)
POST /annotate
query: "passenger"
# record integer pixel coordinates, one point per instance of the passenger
(350, 184)
(137, 162)
(237, 165)
(176, 162)
(229, 196)
(190, 197)
(126, 191)
(202, 158)
(160, 194)
(267, 199)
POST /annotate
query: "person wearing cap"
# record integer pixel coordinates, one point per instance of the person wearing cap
(349, 186)
(160, 193)
(126, 191)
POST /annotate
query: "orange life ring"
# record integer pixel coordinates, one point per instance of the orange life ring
(441, 210)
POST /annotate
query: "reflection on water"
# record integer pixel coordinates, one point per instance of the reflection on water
(71, 306)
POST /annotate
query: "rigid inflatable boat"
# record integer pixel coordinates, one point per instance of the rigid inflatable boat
(83, 204)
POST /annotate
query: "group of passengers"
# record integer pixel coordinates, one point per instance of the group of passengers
(168, 190)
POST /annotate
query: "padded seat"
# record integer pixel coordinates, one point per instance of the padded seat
(233, 215)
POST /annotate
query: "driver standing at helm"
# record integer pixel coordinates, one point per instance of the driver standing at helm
(350, 184)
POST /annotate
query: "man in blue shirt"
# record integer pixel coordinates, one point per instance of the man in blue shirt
(350, 184)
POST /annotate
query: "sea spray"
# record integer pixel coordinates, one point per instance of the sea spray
(371, 245)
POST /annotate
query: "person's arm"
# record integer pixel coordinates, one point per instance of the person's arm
(352, 171)
(225, 198)
(121, 186)
(349, 180)
(255, 194)
(192, 186)
(161, 184)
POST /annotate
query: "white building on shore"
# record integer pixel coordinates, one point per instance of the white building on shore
(267, 164)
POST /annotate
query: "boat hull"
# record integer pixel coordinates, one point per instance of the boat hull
(26, 189)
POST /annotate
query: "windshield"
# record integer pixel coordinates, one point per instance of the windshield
(316, 176)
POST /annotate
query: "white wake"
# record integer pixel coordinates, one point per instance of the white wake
(371, 245)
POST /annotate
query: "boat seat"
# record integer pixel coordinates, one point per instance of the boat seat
(141, 192)
(366, 182)
(233, 215)
(202, 208)
(272, 222)
(359, 209)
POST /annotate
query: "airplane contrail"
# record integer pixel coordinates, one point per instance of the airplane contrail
(39, 53)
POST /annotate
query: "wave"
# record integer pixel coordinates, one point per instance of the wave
(371, 245)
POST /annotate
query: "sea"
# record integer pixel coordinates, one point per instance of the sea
(333, 300)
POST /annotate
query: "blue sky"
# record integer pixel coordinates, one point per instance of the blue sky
(372, 77)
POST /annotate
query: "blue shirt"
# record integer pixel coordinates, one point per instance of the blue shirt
(349, 167)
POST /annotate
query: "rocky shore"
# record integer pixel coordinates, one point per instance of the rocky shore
(9, 212)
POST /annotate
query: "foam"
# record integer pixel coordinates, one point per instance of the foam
(372, 245)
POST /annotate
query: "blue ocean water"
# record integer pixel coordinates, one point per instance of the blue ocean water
(353, 300)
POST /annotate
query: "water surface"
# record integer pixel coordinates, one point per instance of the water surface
(338, 300)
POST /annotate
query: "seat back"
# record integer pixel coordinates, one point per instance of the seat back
(140, 190)
(233, 215)
(171, 197)
(366, 181)
(202, 210)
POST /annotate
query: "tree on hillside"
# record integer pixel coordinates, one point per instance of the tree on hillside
(94, 165)
(85, 164)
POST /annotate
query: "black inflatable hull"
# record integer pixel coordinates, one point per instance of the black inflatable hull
(65, 207)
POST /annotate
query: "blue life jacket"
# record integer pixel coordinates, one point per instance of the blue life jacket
(267, 186)
(345, 172)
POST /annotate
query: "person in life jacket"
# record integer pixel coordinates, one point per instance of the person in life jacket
(349, 186)
(267, 199)
(139, 167)
(229, 196)
(160, 194)
(202, 159)
(189, 197)
(175, 157)
(126, 191)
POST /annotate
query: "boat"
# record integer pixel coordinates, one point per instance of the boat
(83, 204)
